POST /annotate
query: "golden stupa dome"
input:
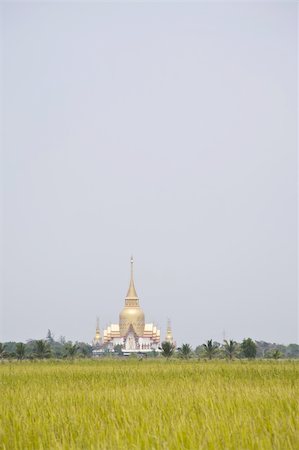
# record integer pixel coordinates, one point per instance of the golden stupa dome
(131, 314)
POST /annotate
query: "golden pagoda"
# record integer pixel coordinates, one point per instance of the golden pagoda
(132, 333)
(169, 336)
(97, 340)
(131, 314)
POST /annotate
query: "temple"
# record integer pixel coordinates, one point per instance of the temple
(131, 334)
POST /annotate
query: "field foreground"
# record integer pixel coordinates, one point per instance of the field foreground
(149, 405)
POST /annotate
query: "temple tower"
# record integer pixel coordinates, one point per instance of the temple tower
(169, 336)
(97, 339)
(131, 315)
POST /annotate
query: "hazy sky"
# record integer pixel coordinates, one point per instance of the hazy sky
(165, 130)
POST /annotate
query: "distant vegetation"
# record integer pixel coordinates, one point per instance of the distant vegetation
(45, 349)
(62, 349)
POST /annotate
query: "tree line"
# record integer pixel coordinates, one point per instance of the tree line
(230, 349)
(45, 348)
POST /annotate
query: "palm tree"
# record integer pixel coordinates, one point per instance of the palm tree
(71, 349)
(20, 350)
(210, 349)
(230, 348)
(185, 351)
(41, 349)
(167, 349)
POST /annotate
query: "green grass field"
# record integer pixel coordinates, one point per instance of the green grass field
(153, 404)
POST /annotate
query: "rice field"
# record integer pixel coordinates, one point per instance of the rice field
(149, 404)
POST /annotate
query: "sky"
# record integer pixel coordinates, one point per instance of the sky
(162, 130)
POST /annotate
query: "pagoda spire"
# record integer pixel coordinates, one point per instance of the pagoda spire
(169, 336)
(97, 339)
(132, 294)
